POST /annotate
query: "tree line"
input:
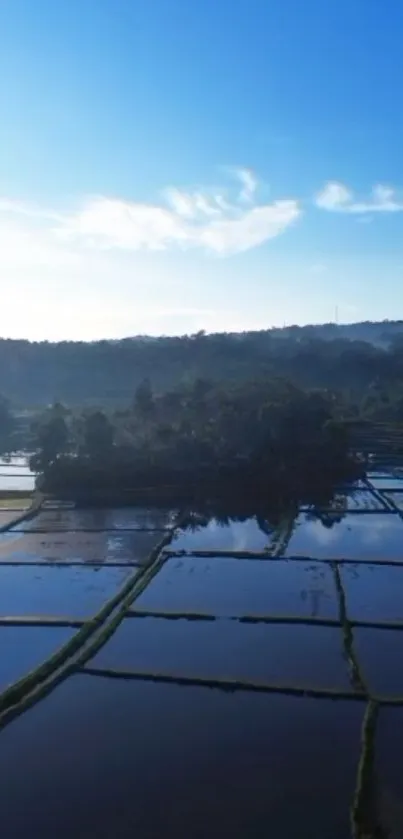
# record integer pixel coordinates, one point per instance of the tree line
(346, 358)
(254, 434)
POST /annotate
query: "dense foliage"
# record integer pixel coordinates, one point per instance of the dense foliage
(255, 434)
(345, 358)
(7, 427)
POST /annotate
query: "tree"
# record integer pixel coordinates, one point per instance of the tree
(144, 400)
(7, 425)
(52, 441)
(98, 435)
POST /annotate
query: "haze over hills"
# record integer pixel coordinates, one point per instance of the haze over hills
(378, 333)
(329, 355)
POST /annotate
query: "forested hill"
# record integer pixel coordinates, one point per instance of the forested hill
(340, 357)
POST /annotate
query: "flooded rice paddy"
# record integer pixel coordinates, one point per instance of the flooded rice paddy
(251, 684)
(77, 546)
(15, 474)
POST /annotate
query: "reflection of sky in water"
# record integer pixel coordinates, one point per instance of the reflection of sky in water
(396, 498)
(75, 592)
(380, 653)
(22, 482)
(16, 474)
(6, 516)
(214, 764)
(78, 547)
(23, 648)
(362, 499)
(280, 653)
(237, 536)
(373, 592)
(17, 461)
(374, 536)
(95, 517)
(225, 586)
(391, 481)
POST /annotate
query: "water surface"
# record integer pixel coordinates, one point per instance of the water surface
(234, 536)
(110, 758)
(224, 586)
(388, 771)
(373, 592)
(106, 757)
(360, 499)
(380, 653)
(74, 592)
(111, 546)
(309, 656)
(396, 498)
(376, 536)
(15, 474)
(25, 482)
(131, 518)
(386, 481)
(7, 516)
(23, 648)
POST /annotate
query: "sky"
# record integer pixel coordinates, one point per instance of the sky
(168, 166)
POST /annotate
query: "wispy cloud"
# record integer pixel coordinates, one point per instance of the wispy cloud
(195, 205)
(108, 223)
(338, 198)
(199, 218)
(9, 206)
(249, 184)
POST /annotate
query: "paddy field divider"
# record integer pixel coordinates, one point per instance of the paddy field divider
(85, 642)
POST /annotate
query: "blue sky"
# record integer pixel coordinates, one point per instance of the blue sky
(172, 165)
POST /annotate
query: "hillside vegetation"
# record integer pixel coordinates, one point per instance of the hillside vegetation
(252, 436)
(348, 358)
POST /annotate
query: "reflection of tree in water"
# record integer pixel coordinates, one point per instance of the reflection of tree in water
(331, 514)
(274, 518)
(326, 517)
(330, 510)
(277, 524)
(376, 813)
(365, 823)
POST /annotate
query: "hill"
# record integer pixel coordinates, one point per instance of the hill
(352, 356)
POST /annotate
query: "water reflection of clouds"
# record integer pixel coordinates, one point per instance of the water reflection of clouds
(78, 546)
(126, 518)
(235, 536)
(387, 481)
(15, 474)
(352, 537)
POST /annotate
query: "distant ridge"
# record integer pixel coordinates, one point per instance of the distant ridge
(326, 355)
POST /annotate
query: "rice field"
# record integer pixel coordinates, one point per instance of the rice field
(230, 678)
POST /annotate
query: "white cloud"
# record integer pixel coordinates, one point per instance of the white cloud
(336, 197)
(249, 184)
(114, 223)
(203, 219)
(181, 202)
(250, 229)
(107, 223)
(194, 205)
(100, 268)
